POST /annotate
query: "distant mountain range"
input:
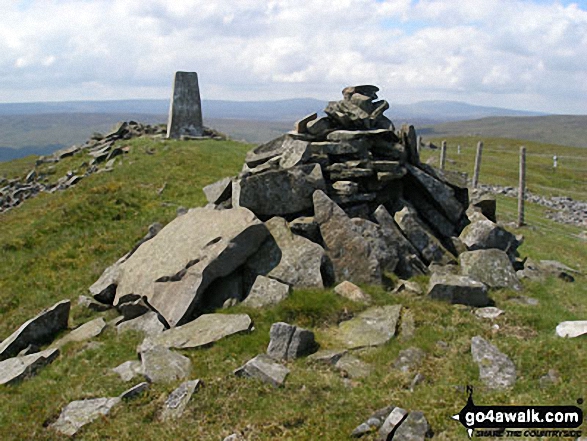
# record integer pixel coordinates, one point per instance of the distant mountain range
(40, 128)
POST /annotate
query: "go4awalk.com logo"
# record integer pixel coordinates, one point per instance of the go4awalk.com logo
(520, 421)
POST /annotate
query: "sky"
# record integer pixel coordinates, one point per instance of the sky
(518, 54)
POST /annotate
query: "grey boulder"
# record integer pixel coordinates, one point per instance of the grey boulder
(266, 292)
(161, 365)
(492, 267)
(372, 327)
(457, 289)
(496, 370)
(79, 413)
(17, 369)
(177, 401)
(289, 342)
(264, 368)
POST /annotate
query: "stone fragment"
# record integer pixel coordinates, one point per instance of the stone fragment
(352, 292)
(393, 420)
(492, 267)
(572, 329)
(265, 152)
(372, 423)
(266, 292)
(289, 258)
(79, 413)
(489, 312)
(177, 401)
(327, 356)
(458, 289)
(421, 237)
(234, 437)
(496, 370)
(301, 125)
(409, 359)
(346, 188)
(372, 327)
(307, 227)
(149, 324)
(18, 368)
(88, 330)
(414, 428)
(104, 289)
(381, 247)
(279, 192)
(128, 370)
(185, 114)
(289, 342)
(203, 331)
(408, 286)
(39, 330)
(91, 304)
(407, 325)
(484, 234)
(160, 365)
(218, 191)
(265, 369)
(296, 152)
(352, 367)
(418, 379)
(135, 391)
(133, 308)
(349, 251)
(173, 269)
(319, 127)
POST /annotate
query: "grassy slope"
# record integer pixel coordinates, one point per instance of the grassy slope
(55, 246)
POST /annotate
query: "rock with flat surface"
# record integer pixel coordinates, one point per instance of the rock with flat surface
(287, 257)
(18, 368)
(148, 323)
(381, 248)
(393, 420)
(572, 329)
(87, 331)
(265, 369)
(266, 292)
(489, 312)
(458, 289)
(352, 292)
(79, 413)
(353, 367)
(279, 192)
(104, 289)
(373, 327)
(218, 191)
(203, 331)
(289, 342)
(39, 330)
(414, 428)
(350, 253)
(161, 365)
(173, 269)
(327, 356)
(177, 401)
(492, 267)
(128, 370)
(496, 370)
(484, 234)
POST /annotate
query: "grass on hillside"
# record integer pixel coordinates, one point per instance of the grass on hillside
(55, 246)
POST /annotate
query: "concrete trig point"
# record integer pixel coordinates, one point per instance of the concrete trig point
(185, 111)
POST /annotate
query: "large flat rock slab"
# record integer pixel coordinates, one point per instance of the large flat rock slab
(203, 331)
(79, 413)
(492, 267)
(173, 269)
(161, 365)
(87, 331)
(16, 369)
(373, 327)
(39, 330)
(264, 368)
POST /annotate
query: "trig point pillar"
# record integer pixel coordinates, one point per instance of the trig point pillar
(185, 111)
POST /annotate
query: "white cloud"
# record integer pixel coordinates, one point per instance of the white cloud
(485, 51)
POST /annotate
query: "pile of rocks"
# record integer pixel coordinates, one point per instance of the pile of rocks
(101, 151)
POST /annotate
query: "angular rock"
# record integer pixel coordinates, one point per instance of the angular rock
(301, 124)
(572, 329)
(307, 227)
(266, 292)
(496, 370)
(17, 369)
(133, 308)
(407, 325)
(173, 269)
(289, 342)
(266, 151)
(135, 391)
(414, 428)
(346, 188)
(84, 332)
(289, 258)
(458, 289)
(177, 401)
(91, 304)
(296, 152)
(350, 253)
(409, 359)
(79, 413)
(320, 126)
(149, 324)
(373, 327)
(489, 312)
(393, 420)
(203, 331)
(104, 289)
(327, 356)
(39, 330)
(265, 369)
(219, 191)
(484, 234)
(352, 367)
(373, 423)
(160, 365)
(352, 292)
(421, 237)
(380, 246)
(279, 192)
(128, 370)
(492, 267)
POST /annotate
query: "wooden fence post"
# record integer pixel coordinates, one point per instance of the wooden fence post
(477, 164)
(522, 186)
(442, 155)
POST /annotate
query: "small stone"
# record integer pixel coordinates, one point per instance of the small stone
(352, 292)
(572, 329)
(128, 370)
(84, 332)
(160, 365)
(496, 370)
(414, 428)
(89, 303)
(407, 325)
(327, 356)
(396, 416)
(135, 391)
(290, 342)
(373, 327)
(265, 369)
(353, 367)
(148, 323)
(409, 359)
(266, 291)
(408, 287)
(418, 379)
(489, 312)
(79, 413)
(177, 401)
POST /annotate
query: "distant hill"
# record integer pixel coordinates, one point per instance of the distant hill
(569, 130)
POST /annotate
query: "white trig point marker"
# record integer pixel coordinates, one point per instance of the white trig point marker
(555, 162)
